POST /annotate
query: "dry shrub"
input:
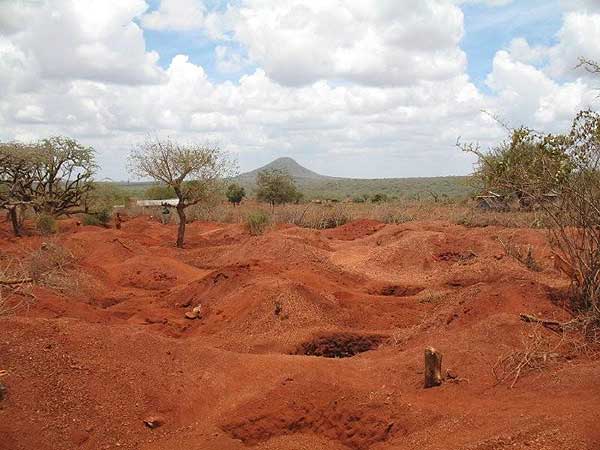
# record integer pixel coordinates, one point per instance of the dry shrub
(523, 254)
(52, 266)
(46, 224)
(537, 353)
(16, 287)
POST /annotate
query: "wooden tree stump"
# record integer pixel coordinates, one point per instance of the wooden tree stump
(433, 367)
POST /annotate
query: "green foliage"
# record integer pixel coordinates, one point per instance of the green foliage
(235, 193)
(46, 224)
(104, 196)
(276, 187)
(99, 219)
(526, 165)
(379, 198)
(257, 222)
(159, 192)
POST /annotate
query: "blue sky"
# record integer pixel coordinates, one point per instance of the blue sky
(489, 28)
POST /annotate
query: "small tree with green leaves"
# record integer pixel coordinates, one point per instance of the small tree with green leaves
(276, 187)
(235, 194)
(194, 172)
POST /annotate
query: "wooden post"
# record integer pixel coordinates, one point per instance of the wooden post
(433, 367)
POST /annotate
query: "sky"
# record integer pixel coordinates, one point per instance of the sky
(352, 88)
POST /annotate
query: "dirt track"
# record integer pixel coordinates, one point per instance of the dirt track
(86, 369)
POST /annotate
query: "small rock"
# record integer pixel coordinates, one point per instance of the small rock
(153, 422)
(191, 315)
(197, 309)
(451, 375)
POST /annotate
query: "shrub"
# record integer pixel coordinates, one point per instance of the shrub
(379, 198)
(99, 219)
(46, 224)
(257, 222)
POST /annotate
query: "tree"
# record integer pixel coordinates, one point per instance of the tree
(17, 163)
(194, 172)
(159, 192)
(276, 186)
(64, 171)
(235, 194)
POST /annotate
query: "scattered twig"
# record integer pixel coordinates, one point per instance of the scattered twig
(123, 244)
(15, 281)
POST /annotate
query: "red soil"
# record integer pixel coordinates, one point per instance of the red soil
(259, 369)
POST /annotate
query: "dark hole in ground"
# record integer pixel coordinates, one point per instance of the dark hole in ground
(455, 256)
(400, 291)
(339, 345)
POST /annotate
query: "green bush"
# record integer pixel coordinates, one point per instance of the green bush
(235, 193)
(99, 219)
(257, 222)
(46, 224)
(159, 192)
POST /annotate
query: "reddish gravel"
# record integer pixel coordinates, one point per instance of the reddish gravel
(305, 340)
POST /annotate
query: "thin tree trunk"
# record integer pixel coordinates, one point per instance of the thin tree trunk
(181, 229)
(14, 218)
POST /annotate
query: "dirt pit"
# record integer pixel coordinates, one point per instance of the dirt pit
(339, 345)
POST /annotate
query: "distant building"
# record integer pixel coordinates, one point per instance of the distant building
(154, 203)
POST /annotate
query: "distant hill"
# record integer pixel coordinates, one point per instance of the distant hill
(288, 164)
(314, 185)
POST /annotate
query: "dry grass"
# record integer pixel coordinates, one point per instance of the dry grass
(52, 266)
(330, 215)
(15, 290)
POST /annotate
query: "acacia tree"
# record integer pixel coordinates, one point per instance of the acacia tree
(63, 175)
(276, 186)
(194, 172)
(17, 162)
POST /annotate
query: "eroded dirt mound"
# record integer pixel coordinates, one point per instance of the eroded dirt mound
(296, 339)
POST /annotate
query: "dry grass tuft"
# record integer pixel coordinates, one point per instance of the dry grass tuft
(52, 266)
(523, 254)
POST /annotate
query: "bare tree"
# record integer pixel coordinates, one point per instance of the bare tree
(194, 172)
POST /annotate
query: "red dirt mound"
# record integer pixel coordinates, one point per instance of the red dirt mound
(302, 339)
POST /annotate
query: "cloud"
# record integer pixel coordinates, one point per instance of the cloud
(68, 39)
(372, 42)
(370, 88)
(176, 15)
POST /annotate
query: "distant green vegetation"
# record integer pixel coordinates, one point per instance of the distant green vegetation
(440, 188)
(435, 188)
